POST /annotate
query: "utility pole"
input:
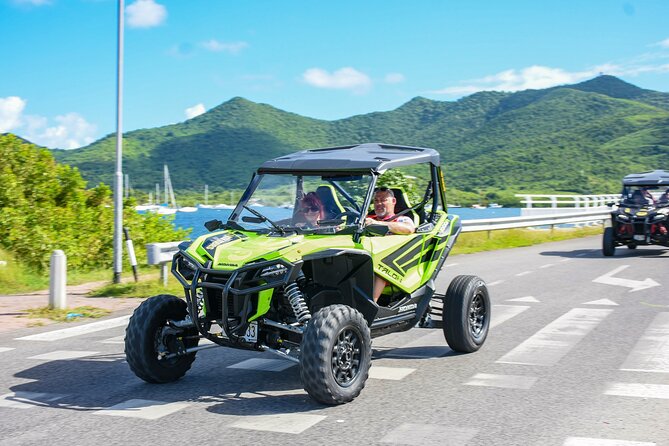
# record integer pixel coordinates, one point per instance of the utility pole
(118, 176)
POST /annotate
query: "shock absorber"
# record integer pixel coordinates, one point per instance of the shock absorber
(296, 298)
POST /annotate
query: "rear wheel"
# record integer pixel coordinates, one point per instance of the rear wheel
(149, 339)
(335, 355)
(466, 314)
(608, 243)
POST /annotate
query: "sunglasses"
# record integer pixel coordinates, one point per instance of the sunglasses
(310, 209)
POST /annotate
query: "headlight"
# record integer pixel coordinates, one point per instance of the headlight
(186, 268)
(273, 272)
(659, 217)
(623, 217)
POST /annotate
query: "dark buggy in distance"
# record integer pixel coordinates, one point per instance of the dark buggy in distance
(264, 281)
(642, 215)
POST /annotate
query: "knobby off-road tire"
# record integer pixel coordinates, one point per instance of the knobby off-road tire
(336, 354)
(608, 244)
(143, 339)
(466, 315)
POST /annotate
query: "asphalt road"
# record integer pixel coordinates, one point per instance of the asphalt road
(578, 355)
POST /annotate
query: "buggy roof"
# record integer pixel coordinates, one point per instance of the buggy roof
(357, 158)
(654, 178)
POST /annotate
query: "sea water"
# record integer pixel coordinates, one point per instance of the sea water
(194, 221)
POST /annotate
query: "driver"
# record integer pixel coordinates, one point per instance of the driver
(310, 211)
(384, 214)
(664, 198)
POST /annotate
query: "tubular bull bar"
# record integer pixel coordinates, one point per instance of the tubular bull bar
(199, 280)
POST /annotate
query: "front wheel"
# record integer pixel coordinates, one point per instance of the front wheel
(608, 243)
(336, 355)
(149, 340)
(466, 314)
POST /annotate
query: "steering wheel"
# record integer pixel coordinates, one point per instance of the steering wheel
(347, 213)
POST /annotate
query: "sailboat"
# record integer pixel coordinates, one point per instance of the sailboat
(206, 204)
(169, 195)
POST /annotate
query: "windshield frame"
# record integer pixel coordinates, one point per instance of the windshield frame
(329, 177)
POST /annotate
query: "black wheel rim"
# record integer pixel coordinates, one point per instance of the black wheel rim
(346, 356)
(477, 315)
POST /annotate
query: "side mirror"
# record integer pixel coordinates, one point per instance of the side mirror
(249, 219)
(213, 225)
(377, 229)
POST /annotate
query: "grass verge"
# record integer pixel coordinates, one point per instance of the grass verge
(143, 288)
(66, 315)
(471, 242)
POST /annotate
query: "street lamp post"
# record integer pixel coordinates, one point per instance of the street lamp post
(118, 176)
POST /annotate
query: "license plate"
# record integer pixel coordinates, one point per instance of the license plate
(640, 237)
(251, 334)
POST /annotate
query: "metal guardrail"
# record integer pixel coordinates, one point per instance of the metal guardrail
(493, 224)
(162, 253)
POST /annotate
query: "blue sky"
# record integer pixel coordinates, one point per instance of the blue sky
(322, 59)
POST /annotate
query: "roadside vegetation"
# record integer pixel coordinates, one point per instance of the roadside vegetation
(45, 206)
(66, 315)
(141, 289)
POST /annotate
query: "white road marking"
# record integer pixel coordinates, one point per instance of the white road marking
(638, 390)
(57, 335)
(583, 441)
(144, 409)
(390, 373)
(601, 302)
(564, 260)
(548, 265)
(502, 313)
(265, 365)
(551, 343)
(496, 282)
(502, 381)
(114, 340)
(294, 423)
(524, 299)
(651, 352)
(635, 285)
(429, 435)
(6, 349)
(63, 355)
(524, 273)
(448, 265)
(27, 400)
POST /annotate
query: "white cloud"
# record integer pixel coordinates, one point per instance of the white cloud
(145, 14)
(394, 78)
(346, 78)
(10, 112)
(224, 47)
(71, 131)
(195, 110)
(664, 43)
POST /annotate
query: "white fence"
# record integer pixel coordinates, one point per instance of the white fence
(492, 224)
(571, 201)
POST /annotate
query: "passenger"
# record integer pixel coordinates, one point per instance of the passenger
(664, 198)
(310, 211)
(384, 214)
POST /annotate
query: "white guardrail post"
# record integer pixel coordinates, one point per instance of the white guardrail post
(161, 254)
(58, 280)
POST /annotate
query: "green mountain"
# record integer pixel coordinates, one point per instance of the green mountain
(578, 138)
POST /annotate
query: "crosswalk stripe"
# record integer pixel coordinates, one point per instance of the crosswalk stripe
(265, 365)
(651, 353)
(293, 423)
(583, 441)
(502, 381)
(390, 373)
(63, 355)
(551, 343)
(638, 390)
(502, 313)
(27, 400)
(144, 409)
(57, 335)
